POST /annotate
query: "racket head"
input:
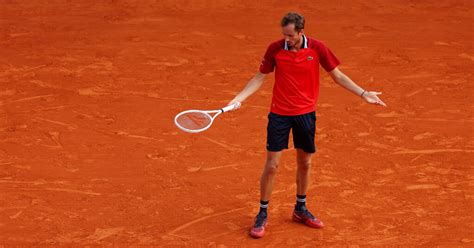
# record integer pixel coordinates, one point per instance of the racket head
(194, 121)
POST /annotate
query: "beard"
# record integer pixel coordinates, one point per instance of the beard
(291, 45)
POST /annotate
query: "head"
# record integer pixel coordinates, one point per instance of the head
(292, 26)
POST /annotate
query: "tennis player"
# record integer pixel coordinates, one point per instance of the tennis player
(295, 60)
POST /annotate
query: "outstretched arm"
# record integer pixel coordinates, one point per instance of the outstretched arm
(346, 82)
(252, 86)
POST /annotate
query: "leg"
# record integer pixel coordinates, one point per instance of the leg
(268, 174)
(303, 159)
(278, 131)
(301, 213)
(303, 137)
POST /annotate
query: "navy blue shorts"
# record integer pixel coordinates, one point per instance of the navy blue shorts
(303, 128)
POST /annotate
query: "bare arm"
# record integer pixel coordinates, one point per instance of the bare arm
(252, 86)
(370, 96)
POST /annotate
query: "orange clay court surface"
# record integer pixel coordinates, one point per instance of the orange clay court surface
(89, 153)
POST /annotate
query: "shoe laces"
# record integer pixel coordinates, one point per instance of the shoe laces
(307, 213)
(260, 220)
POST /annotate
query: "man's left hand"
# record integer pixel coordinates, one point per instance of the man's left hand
(371, 97)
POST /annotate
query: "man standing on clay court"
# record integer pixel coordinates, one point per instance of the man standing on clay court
(296, 60)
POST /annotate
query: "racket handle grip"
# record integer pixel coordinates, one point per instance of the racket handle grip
(230, 107)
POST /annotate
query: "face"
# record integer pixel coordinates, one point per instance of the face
(292, 37)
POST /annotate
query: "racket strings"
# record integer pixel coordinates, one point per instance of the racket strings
(194, 120)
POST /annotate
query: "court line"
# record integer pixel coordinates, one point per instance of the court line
(179, 228)
(40, 182)
(56, 122)
(225, 233)
(45, 109)
(141, 137)
(417, 157)
(229, 147)
(179, 236)
(219, 167)
(422, 186)
(439, 119)
(16, 215)
(414, 93)
(431, 151)
(21, 73)
(425, 119)
(27, 99)
(65, 190)
(125, 134)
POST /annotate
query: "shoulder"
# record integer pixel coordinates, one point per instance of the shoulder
(276, 46)
(315, 44)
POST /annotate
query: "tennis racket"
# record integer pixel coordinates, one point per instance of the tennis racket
(195, 121)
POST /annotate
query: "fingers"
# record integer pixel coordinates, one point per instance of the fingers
(374, 92)
(236, 105)
(375, 99)
(379, 102)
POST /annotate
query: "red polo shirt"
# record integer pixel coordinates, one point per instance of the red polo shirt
(296, 86)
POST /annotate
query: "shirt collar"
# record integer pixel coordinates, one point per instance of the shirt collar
(303, 45)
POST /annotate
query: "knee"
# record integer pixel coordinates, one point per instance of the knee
(271, 167)
(304, 165)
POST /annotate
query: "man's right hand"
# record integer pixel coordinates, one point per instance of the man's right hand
(252, 86)
(237, 104)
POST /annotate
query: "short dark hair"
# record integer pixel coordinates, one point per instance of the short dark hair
(293, 18)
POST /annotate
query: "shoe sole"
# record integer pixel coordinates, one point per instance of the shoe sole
(257, 236)
(300, 220)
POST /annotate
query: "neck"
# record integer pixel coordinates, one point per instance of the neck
(298, 45)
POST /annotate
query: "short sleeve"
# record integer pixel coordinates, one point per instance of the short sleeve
(268, 61)
(326, 58)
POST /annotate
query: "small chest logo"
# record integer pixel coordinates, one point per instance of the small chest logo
(309, 58)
